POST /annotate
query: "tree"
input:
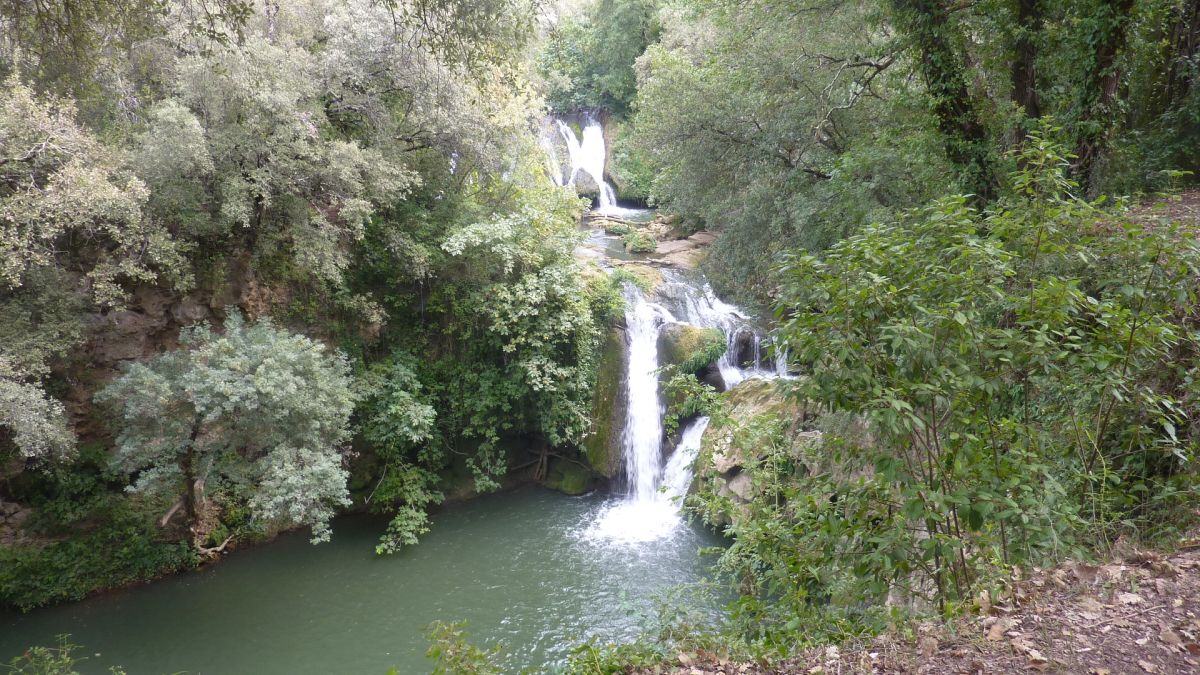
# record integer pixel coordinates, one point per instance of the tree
(1107, 33)
(944, 69)
(66, 201)
(257, 408)
(73, 235)
(588, 60)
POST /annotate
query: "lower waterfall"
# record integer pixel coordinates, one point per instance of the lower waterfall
(650, 508)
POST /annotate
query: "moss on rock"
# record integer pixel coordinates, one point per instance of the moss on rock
(690, 348)
(602, 445)
(646, 277)
(568, 477)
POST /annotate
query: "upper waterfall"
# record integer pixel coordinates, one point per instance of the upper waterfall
(585, 154)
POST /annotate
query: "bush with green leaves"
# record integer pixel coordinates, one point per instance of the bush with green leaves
(1014, 387)
(397, 421)
(257, 416)
(637, 241)
(453, 654)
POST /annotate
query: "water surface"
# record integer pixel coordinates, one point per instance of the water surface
(519, 567)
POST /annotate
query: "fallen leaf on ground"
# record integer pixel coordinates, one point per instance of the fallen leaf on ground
(996, 632)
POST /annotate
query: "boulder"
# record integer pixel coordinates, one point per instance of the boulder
(602, 445)
(586, 185)
(740, 486)
(568, 477)
(689, 347)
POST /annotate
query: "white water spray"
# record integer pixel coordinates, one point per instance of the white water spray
(677, 477)
(642, 438)
(586, 155)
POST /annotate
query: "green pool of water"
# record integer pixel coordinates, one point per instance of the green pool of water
(516, 566)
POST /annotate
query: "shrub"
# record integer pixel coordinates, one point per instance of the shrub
(637, 241)
(1026, 376)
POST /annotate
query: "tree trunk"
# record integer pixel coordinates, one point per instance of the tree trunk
(1098, 89)
(1183, 45)
(944, 72)
(1024, 68)
(191, 487)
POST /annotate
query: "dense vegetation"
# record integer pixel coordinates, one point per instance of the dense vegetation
(998, 358)
(261, 262)
(362, 173)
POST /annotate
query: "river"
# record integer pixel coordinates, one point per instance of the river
(521, 567)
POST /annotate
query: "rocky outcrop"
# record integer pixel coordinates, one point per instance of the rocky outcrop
(586, 185)
(602, 445)
(725, 454)
(12, 520)
(673, 246)
(691, 348)
(568, 477)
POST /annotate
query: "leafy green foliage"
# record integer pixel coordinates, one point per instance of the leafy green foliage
(637, 241)
(686, 397)
(759, 120)
(588, 60)
(97, 537)
(453, 654)
(124, 550)
(58, 660)
(1019, 385)
(398, 424)
(61, 190)
(257, 407)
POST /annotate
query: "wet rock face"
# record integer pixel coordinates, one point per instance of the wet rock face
(602, 445)
(568, 477)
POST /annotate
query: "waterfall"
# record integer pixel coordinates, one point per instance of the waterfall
(698, 305)
(649, 510)
(642, 438)
(585, 154)
(677, 477)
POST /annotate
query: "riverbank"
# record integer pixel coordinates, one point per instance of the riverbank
(1137, 613)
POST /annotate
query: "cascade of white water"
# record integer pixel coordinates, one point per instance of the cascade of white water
(677, 477)
(698, 305)
(642, 438)
(591, 160)
(584, 154)
(650, 509)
